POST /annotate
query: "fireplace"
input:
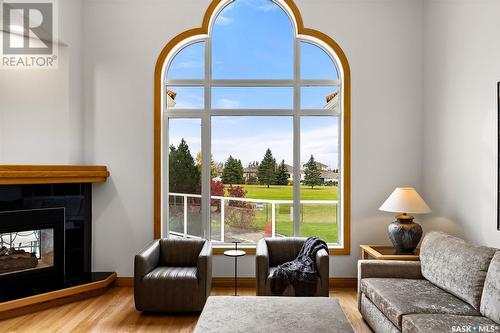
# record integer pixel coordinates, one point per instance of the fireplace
(31, 251)
(46, 236)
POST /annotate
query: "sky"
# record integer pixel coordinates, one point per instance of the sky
(247, 138)
(253, 39)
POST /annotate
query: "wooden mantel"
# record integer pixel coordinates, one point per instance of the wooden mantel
(52, 174)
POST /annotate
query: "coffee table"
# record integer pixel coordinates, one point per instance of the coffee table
(228, 314)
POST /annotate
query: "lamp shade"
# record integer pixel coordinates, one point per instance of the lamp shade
(405, 200)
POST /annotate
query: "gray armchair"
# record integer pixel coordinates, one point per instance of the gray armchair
(272, 252)
(173, 275)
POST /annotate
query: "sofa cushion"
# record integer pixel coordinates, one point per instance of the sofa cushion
(455, 265)
(180, 251)
(425, 323)
(490, 301)
(397, 297)
(375, 318)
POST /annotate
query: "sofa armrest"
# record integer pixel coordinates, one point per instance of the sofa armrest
(261, 266)
(146, 260)
(387, 269)
(204, 266)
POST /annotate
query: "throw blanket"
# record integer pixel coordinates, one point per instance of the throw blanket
(301, 273)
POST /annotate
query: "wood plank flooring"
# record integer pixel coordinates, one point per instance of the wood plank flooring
(114, 311)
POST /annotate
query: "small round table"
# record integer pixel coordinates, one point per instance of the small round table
(235, 254)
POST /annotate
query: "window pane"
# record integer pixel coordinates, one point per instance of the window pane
(189, 63)
(319, 98)
(184, 178)
(252, 97)
(250, 177)
(319, 174)
(315, 64)
(252, 39)
(179, 97)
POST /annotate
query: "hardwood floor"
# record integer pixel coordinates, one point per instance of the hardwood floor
(114, 312)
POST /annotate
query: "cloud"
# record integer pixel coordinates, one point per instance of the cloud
(223, 20)
(226, 103)
(251, 145)
(188, 65)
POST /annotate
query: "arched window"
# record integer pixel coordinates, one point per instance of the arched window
(252, 129)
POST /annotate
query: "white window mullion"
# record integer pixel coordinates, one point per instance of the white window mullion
(165, 190)
(206, 142)
(296, 141)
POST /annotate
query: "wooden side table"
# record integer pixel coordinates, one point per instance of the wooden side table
(386, 252)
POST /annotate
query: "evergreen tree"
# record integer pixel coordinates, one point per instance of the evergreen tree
(233, 172)
(183, 173)
(282, 174)
(266, 171)
(312, 175)
(199, 165)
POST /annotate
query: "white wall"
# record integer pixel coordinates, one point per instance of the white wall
(462, 67)
(382, 40)
(41, 110)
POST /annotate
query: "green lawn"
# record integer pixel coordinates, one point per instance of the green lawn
(284, 192)
(316, 219)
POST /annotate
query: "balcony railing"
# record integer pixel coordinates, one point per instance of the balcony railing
(189, 204)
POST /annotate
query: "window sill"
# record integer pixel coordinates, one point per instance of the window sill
(250, 250)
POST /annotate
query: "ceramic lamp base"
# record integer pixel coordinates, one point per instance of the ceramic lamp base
(405, 234)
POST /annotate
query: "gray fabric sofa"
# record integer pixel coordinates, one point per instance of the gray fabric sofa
(173, 275)
(272, 252)
(454, 287)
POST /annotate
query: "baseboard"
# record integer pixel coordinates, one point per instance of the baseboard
(124, 281)
(228, 281)
(343, 282)
(247, 281)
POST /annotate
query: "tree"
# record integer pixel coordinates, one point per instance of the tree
(233, 172)
(267, 169)
(312, 176)
(282, 174)
(199, 165)
(183, 174)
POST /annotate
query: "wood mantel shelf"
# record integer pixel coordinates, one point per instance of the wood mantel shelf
(52, 174)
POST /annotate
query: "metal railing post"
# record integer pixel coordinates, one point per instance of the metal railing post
(185, 215)
(222, 218)
(273, 219)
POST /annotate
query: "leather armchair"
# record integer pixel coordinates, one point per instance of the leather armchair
(272, 252)
(173, 275)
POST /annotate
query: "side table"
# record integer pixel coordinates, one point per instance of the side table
(386, 252)
(235, 254)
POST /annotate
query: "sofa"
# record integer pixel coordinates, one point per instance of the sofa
(173, 275)
(455, 287)
(272, 252)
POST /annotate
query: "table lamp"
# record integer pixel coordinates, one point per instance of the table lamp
(404, 233)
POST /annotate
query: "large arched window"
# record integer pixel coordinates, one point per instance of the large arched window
(252, 129)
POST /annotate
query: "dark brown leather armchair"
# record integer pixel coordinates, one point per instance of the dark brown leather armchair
(272, 252)
(173, 275)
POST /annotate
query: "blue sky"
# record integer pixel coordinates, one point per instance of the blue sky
(247, 138)
(253, 39)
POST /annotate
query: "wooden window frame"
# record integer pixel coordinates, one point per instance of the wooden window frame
(302, 34)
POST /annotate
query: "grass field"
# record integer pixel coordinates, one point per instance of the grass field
(280, 192)
(316, 219)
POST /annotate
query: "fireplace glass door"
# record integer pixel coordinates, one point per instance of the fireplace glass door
(26, 250)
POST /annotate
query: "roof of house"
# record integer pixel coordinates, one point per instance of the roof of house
(331, 96)
(171, 93)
